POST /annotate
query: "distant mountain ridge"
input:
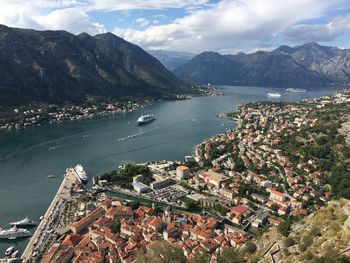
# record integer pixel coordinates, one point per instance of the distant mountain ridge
(57, 66)
(300, 66)
(171, 59)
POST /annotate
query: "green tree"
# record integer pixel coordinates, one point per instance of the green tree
(116, 226)
(250, 247)
(284, 227)
(239, 165)
(134, 205)
(191, 204)
(288, 242)
(274, 207)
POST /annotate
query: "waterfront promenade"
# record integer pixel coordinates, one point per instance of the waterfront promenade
(46, 225)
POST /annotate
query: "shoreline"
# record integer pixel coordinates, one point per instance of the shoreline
(63, 193)
(45, 113)
(29, 248)
(62, 116)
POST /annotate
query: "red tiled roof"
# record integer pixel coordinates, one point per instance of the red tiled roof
(240, 209)
(71, 240)
(277, 193)
(88, 217)
(119, 210)
(183, 168)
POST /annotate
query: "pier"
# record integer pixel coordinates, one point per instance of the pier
(46, 225)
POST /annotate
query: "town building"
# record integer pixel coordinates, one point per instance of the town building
(88, 220)
(183, 172)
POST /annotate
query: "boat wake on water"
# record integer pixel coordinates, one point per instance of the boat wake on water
(134, 135)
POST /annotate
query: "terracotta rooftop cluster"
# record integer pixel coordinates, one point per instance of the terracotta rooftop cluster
(92, 238)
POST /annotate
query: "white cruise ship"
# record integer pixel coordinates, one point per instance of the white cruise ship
(82, 176)
(274, 94)
(145, 118)
(14, 233)
(295, 90)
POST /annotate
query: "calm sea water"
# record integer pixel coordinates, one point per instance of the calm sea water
(28, 156)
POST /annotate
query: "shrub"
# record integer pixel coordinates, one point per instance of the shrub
(250, 247)
(284, 228)
(288, 242)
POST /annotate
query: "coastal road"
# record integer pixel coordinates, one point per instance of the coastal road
(62, 193)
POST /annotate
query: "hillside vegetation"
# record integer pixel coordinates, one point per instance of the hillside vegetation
(57, 66)
(320, 237)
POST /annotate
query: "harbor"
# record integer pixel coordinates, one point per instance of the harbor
(29, 156)
(48, 221)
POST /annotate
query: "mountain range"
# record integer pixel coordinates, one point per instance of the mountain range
(171, 59)
(57, 66)
(309, 65)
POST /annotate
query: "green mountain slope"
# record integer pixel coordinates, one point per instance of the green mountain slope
(56, 66)
(309, 65)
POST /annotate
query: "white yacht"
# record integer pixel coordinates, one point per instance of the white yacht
(14, 233)
(24, 222)
(81, 173)
(145, 118)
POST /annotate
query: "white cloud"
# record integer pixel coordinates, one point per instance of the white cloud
(142, 21)
(73, 19)
(320, 32)
(73, 15)
(116, 5)
(48, 14)
(228, 24)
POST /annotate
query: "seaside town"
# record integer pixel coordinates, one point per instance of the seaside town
(269, 170)
(27, 116)
(37, 114)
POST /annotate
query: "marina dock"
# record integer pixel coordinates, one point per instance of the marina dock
(45, 226)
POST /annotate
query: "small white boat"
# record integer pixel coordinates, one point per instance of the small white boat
(50, 176)
(9, 250)
(14, 254)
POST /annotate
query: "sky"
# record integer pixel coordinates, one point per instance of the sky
(225, 26)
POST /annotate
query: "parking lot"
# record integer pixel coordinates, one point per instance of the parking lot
(169, 194)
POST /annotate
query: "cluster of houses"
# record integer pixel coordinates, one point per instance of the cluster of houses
(281, 185)
(94, 238)
(55, 114)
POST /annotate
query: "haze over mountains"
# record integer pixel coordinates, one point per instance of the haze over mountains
(308, 65)
(57, 66)
(171, 59)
